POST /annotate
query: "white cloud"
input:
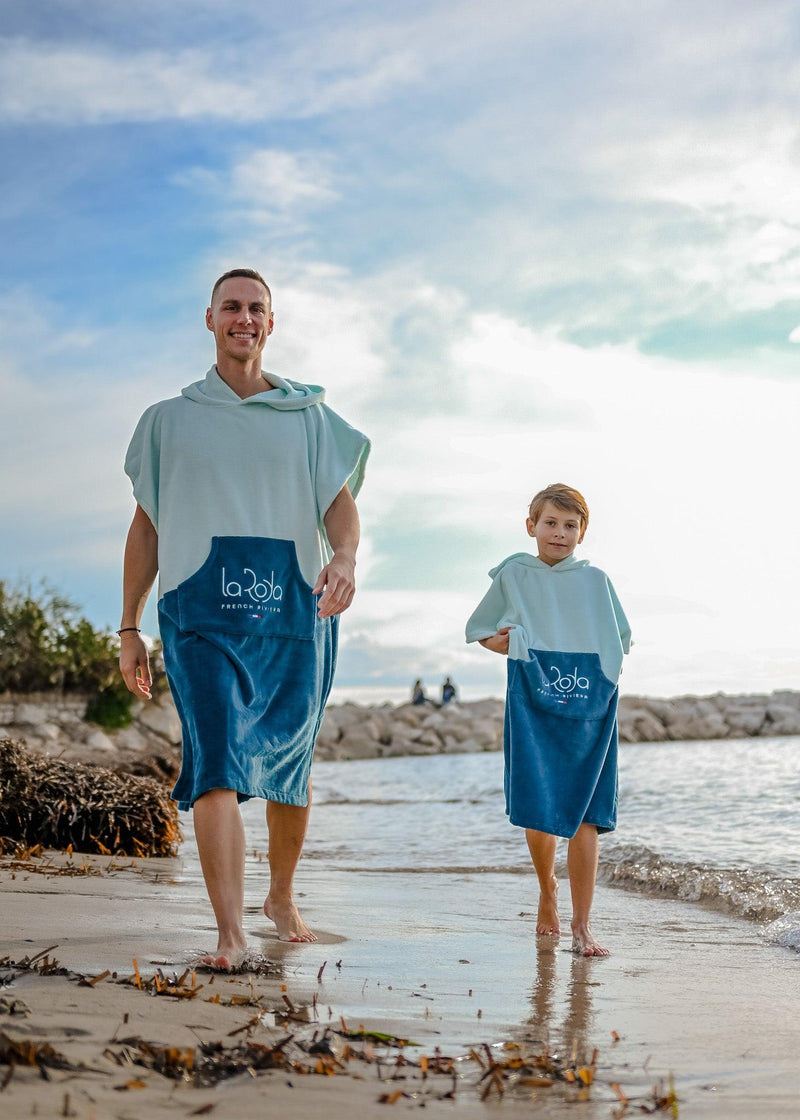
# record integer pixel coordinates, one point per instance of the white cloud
(270, 177)
(77, 83)
(269, 186)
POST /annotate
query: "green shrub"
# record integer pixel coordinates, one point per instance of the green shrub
(46, 644)
(110, 708)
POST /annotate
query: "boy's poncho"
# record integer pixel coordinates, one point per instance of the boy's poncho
(237, 490)
(564, 660)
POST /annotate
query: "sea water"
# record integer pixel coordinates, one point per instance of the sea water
(717, 823)
(712, 823)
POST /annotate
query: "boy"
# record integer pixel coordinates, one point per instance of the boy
(562, 627)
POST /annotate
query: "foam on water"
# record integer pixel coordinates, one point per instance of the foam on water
(745, 892)
(785, 931)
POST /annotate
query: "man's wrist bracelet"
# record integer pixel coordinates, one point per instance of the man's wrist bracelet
(127, 629)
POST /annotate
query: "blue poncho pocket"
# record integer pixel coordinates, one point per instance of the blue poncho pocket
(560, 743)
(569, 685)
(246, 586)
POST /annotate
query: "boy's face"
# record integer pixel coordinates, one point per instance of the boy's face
(557, 533)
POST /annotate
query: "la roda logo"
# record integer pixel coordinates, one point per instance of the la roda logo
(259, 590)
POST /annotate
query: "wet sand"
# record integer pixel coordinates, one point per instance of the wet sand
(425, 956)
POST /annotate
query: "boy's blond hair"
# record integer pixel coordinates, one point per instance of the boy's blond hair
(563, 497)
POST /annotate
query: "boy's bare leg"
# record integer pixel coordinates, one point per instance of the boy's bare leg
(582, 856)
(221, 843)
(542, 847)
(287, 830)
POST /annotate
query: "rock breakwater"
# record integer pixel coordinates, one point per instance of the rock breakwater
(55, 726)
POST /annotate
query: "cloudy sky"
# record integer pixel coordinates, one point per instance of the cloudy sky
(551, 240)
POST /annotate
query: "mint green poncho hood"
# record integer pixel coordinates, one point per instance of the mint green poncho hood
(286, 395)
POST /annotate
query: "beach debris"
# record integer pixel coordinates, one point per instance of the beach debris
(661, 1099)
(498, 1072)
(16, 857)
(40, 962)
(24, 1052)
(375, 1036)
(255, 964)
(56, 804)
(205, 1064)
(13, 1006)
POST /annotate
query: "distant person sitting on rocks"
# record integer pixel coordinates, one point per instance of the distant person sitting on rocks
(418, 693)
(448, 691)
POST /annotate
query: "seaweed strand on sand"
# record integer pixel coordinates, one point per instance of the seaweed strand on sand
(91, 809)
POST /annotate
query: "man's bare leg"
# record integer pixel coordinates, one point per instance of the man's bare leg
(542, 847)
(221, 845)
(582, 856)
(287, 830)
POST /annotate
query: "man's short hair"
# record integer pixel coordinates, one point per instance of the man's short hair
(247, 273)
(563, 497)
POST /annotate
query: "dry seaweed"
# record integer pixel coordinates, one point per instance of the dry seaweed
(493, 1072)
(41, 1055)
(203, 1065)
(15, 857)
(59, 804)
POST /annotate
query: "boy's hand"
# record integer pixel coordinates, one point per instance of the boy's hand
(498, 643)
(336, 585)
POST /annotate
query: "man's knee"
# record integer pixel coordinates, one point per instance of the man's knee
(215, 797)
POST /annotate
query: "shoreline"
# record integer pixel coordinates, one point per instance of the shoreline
(688, 992)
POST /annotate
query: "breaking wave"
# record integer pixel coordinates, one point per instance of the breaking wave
(750, 893)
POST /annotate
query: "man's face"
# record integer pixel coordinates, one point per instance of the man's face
(557, 533)
(240, 318)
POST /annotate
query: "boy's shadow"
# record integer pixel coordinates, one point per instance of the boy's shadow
(562, 1020)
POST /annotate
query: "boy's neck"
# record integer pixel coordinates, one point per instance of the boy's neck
(556, 560)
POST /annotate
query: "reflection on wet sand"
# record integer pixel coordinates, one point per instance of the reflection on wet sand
(562, 1020)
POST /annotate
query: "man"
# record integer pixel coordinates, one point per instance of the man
(245, 488)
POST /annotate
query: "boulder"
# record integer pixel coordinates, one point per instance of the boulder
(161, 717)
(31, 715)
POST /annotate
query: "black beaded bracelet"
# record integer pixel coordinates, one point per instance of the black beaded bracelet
(126, 629)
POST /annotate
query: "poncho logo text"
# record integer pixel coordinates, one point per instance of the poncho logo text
(258, 590)
(569, 682)
(566, 684)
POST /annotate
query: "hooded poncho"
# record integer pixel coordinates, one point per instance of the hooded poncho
(564, 660)
(237, 490)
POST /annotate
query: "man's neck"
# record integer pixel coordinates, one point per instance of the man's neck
(244, 378)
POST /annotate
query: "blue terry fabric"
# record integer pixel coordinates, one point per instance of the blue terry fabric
(250, 666)
(560, 743)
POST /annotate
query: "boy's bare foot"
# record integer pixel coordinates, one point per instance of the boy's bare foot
(585, 944)
(288, 922)
(547, 922)
(229, 955)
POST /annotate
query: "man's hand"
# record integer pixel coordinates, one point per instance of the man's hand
(498, 643)
(134, 664)
(337, 585)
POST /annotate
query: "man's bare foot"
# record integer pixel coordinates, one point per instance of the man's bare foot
(229, 955)
(585, 944)
(288, 922)
(547, 922)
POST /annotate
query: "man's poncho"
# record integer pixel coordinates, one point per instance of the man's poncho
(237, 490)
(564, 660)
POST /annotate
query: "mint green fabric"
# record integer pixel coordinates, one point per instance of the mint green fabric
(569, 606)
(208, 463)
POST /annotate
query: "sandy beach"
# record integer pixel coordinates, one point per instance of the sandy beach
(688, 993)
